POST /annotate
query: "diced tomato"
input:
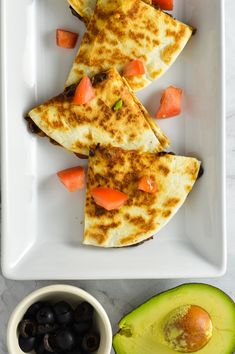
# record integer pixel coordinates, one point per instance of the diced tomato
(84, 91)
(73, 178)
(108, 198)
(170, 103)
(66, 39)
(164, 4)
(135, 67)
(147, 184)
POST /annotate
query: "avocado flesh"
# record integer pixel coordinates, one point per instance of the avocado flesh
(141, 331)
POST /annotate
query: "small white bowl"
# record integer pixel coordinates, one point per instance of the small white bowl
(53, 293)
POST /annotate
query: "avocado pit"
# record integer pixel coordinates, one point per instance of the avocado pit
(187, 329)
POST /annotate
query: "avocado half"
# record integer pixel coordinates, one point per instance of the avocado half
(163, 324)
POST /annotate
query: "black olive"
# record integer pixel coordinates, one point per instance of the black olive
(63, 312)
(49, 343)
(27, 328)
(82, 327)
(91, 342)
(26, 344)
(201, 172)
(83, 312)
(33, 309)
(76, 350)
(65, 339)
(46, 328)
(39, 345)
(45, 315)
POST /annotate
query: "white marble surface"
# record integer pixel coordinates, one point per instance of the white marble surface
(119, 297)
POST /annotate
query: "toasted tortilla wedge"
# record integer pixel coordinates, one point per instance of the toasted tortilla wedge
(120, 31)
(144, 214)
(85, 8)
(79, 128)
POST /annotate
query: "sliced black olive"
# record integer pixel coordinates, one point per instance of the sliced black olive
(82, 327)
(91, 342)
(65, 339)
(45, 315)
(83, 312)
(76, 350)
(39, 345)
(26, 344)
(27, 328)
(33, 309)
(49, 343)
(63, 312)
(46, 328)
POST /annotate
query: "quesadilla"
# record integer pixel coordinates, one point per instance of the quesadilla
(85, 8)
(143, 214)
(121, 31)
(113, 117)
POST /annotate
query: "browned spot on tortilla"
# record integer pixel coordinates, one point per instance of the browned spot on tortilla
(78, 145)
(98, 237)
(168, 52)
(188, 188)
(166, 213)
(171, 202)
(165, 170)
(155, 74)
(193, 170)
(88, 136)
(106, 227)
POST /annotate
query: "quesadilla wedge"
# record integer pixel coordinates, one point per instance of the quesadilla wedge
(121, 31)
(143, 214)
(85, 8)
(113, 117)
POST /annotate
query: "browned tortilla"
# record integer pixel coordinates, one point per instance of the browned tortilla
(144, 214)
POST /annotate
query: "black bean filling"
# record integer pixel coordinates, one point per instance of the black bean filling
(75, 13)
(163, 153)
(98, 78)
(141, 243)
(201, 172)
(69, 91)
(33, 128)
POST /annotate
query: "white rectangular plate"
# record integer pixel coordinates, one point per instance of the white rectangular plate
(42, 226)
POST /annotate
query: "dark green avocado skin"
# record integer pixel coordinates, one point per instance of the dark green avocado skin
(125, 342)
